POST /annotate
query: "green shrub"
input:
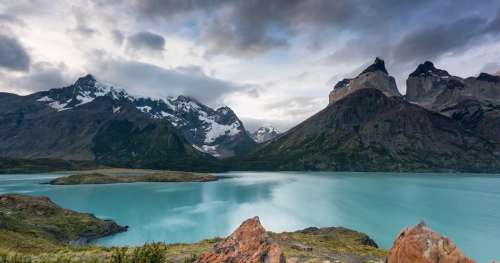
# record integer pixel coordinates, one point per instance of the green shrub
(149, 253)
(4, 258)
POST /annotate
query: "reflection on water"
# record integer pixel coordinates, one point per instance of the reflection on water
(463, 207)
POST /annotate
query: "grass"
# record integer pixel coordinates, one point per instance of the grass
(148, 253)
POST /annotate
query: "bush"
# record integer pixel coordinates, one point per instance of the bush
(149, 253)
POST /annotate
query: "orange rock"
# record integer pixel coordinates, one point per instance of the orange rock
(249, 243)
(419, 244)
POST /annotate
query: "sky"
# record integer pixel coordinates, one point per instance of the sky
(272, 61)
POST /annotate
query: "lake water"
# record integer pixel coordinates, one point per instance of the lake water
(464, 207)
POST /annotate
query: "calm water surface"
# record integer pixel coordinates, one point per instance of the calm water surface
(464, 207)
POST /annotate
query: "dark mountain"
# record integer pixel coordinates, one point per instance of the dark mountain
(474, 101)
(367, 130)
(91, 120)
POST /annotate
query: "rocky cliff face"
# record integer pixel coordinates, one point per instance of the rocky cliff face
(437, 90)
(374, 77)
(419, 244)
(474, 101)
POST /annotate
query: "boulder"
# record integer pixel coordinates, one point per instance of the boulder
(419, 244)
(249, 243)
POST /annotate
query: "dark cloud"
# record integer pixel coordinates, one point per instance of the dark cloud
(429, 43)
(145, 42)
(494, 26)
(13, 56)
(42, 76)
(249, 28)
(170, 8)
(149, 80)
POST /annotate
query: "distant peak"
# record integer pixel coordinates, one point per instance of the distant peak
(428, 69)
(378, 65)
(87, 79)
(488, 77)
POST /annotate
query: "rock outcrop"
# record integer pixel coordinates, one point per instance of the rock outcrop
(375, 76)
(474, 101)
(419, 244)
(250, 243)
(437, 90)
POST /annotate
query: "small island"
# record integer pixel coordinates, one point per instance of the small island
(114, 176)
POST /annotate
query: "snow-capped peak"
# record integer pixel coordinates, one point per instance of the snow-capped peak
(201, 125)
(265, 133)
(85, 90)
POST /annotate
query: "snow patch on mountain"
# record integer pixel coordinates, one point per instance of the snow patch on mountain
(216, 130)
(264, 134)
(210, 130)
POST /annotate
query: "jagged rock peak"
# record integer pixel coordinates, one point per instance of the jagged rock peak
(421, 244)
(373, 77)
(378, 65)
(428, 69)
(488, 77)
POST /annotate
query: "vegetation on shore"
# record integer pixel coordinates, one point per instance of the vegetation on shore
(133, 176)
(35, 225)
(34, 229)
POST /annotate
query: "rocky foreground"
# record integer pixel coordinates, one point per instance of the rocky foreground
(33, 229)
(105, 177)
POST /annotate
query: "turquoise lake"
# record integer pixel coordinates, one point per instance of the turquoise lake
(464, 207)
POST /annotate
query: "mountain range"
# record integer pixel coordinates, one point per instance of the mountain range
(442, 123)
(92, 120)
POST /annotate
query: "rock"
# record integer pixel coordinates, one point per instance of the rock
(250, 243)
(375, 76)
(298, 246)
(420, 244)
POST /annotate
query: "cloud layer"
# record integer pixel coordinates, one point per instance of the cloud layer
(271, 61)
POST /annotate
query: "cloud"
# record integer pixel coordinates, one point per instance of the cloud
(491, 68)
(13, 56)
(149, 80)
(82, 29)
(117, 36)
(432, 42)
(42, 76)
(145, 42)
